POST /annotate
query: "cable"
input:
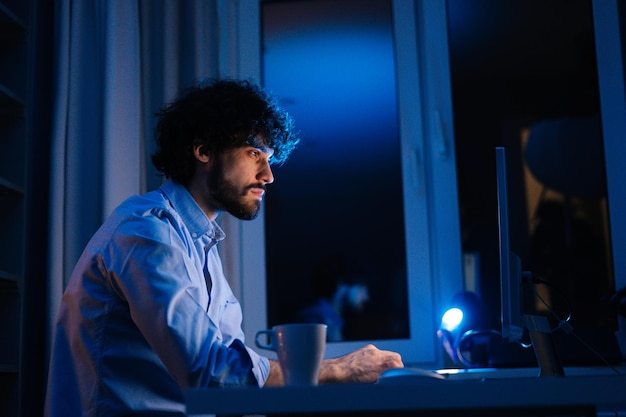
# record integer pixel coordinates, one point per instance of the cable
(468, 335)
(566, 326)
(536, 279)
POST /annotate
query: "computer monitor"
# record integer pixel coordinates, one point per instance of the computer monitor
(510, 264)
(514, 319)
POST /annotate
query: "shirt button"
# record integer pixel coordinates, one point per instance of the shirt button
(194, 235)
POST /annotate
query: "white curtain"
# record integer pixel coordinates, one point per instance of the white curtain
(117, 62)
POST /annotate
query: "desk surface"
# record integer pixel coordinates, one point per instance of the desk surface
(589, 395)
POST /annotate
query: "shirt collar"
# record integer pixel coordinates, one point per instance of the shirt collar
(192, 215)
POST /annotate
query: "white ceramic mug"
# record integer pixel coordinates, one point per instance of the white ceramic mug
(300, 349)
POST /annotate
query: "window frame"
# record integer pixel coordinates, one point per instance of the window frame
(434, 260)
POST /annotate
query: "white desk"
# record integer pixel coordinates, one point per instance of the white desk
(598, 395)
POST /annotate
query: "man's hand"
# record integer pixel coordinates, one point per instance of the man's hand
(362, 365)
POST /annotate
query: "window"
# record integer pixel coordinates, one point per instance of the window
(422, 167)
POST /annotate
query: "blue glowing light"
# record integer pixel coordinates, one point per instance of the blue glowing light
(452, 319)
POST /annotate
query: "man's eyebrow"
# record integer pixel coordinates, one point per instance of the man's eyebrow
(260, 144)
(256, 142)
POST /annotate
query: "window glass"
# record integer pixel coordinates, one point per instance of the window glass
(335, 210)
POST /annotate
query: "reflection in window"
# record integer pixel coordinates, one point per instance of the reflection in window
(336, 207)
(524, 76)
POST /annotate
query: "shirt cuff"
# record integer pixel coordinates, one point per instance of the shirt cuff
(260, 367)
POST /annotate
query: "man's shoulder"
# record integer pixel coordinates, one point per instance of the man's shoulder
(140, 213)
(150, 203)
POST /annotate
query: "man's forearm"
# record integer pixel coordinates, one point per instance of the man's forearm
(362, 365)
(275, 378)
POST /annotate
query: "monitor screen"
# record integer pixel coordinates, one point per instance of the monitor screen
(511, 287)
(510, 264)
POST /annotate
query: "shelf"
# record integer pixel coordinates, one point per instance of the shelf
(12, 226)
(8, 369)
(8, 187)
(8, 280)
(11, 106)
(11, 27)
(15, 82)
(9, 100)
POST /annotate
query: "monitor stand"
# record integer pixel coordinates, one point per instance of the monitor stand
(543, 345)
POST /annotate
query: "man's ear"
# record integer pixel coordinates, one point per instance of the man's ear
(200, 154)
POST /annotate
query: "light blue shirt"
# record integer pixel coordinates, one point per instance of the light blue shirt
(137, 326)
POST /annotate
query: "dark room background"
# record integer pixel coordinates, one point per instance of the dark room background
(515, 65)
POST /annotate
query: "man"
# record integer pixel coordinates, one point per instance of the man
(148, 312)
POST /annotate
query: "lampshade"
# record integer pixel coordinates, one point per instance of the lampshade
(567, 155)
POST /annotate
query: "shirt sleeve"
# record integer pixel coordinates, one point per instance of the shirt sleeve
(261, 367)
(150, 265)
(226, 308)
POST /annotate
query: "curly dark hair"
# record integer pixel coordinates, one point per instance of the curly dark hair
(219, 115)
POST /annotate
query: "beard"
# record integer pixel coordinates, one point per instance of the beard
(228, 197)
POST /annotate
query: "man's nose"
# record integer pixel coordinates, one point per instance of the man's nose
(266, 175)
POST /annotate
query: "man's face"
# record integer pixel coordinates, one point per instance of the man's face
(237, 181)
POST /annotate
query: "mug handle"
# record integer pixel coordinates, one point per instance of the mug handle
(271, 336)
